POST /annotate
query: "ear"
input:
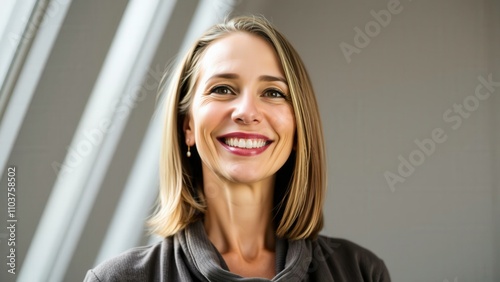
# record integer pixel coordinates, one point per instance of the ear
(188, 127)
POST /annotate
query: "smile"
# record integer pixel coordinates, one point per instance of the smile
(245, 143)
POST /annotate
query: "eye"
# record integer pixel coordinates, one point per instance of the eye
(274, 93)
(222, 90)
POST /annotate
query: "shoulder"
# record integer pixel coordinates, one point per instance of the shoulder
(137, 264)
(342, 248)
(349, 260)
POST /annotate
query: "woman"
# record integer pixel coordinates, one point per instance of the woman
(242, 171)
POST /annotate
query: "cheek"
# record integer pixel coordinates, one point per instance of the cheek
(204, 114)
(208, 119)
(206, 107)
(284, 121)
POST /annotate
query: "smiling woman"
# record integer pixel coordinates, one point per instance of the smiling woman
(242, 171)
(240, 102)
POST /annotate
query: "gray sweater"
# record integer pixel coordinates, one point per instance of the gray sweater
(190, 256)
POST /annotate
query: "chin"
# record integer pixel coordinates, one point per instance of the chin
(245, 177)
(245, 180)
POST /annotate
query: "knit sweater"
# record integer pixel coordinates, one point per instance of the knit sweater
(190, 256)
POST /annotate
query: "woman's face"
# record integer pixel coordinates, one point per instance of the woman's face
(241, 120)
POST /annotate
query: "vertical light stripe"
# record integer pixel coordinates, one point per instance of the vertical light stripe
(79, 180)
(23, 57)
(132, 94)
(15, 36)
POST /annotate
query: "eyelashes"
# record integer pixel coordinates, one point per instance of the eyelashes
(222, 90)
(274, 93)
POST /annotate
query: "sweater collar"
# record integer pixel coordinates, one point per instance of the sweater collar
(292, 257)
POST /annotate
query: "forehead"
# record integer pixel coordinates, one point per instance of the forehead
(241, 52)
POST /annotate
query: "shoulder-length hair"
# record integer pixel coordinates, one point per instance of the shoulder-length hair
(301, 182)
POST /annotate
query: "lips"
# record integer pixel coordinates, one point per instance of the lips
(245, 144)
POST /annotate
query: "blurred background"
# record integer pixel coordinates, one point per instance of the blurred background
(408, 92)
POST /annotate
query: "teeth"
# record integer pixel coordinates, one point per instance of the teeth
(245, 143)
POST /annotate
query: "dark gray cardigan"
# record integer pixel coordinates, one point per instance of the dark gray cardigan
(190, 256)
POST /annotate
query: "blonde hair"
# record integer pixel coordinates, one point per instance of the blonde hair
(299, 201)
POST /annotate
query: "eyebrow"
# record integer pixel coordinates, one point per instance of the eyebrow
(272, 78)
(261, 78)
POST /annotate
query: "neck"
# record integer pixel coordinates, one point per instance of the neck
(238, 219)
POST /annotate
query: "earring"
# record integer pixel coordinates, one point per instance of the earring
(188, 153)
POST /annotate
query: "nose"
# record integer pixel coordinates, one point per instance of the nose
(246, 110)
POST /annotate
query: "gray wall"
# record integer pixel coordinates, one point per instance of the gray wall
(440, 224)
